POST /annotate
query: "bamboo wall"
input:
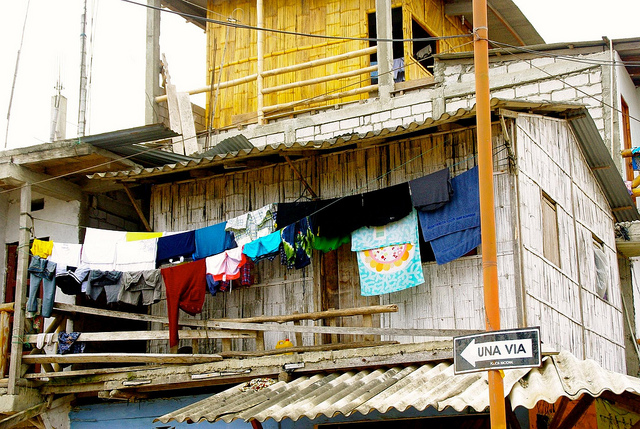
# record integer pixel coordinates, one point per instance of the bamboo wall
(236, 47)
(563, 298)
(205, 201)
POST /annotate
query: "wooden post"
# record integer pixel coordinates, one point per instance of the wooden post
(487, 207)
(367, 322)
(4, 342)
(21, 289)
(385, 49)
(260, 65)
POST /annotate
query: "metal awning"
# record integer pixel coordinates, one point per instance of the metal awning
(418, 386)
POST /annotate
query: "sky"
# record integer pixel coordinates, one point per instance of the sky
(51, 52)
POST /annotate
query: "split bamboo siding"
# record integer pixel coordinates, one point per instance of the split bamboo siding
(236, 50)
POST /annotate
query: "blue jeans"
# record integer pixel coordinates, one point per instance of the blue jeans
(45, 271)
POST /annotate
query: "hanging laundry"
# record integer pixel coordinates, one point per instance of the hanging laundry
(41, 248)
(226, 265)
(462, 212)
(185, 286)
(66, 254)
(175, 245)
(137, 255)
(454, 229)
(70, 279)
(68, 343)
(213, 240)
(247, 276)
(455, 245)
(327, 244)
(340, 216)
(289, 213)
(386, 205)
(388, 256)
(107, 281)
(135, 236)
(141, 287)
(266, 247)
(99, 248)
(253, 225)
(41, 271)
(432, 191)
(296, 244)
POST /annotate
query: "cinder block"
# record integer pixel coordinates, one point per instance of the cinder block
(506, 93)
(329, 127)
(349, 124)
(577, 80)
(518, 66)
(541, 62)
(381, 116)
(276, 138)
(527, 90)
(402, 112)
(564, 95)
(422, 108)
(550, 86)
(304, 133)
(393, 123)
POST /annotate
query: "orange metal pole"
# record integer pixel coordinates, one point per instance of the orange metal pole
(487, 208)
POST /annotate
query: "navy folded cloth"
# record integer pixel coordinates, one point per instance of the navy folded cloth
(462, 212)
(176, 245)
(432, 191)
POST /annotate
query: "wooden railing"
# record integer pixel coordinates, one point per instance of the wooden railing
(273, 109)
(223, 329)
(6, 310)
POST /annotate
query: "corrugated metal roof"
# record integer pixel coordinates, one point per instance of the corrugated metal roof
(599, 159)
(417, 386)
(229, 145)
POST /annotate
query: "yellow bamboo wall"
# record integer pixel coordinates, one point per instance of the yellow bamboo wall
(319, 17)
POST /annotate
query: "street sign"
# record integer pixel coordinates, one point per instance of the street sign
(513, 348)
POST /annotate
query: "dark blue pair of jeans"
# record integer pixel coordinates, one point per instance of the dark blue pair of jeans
(41, 270)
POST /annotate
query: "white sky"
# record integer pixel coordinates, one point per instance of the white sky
(52, 46)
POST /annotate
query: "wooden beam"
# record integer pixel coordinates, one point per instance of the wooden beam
(557, 416)
(574, 415)
(221, 324)
(459, 7)
(85, 372)
(297, 84)
(299, 176)
(184, 334)
(121, 358)
(137, 208)
(16, 175)
(322, 98)
(303, 349)
(15, 419)
(15, 363)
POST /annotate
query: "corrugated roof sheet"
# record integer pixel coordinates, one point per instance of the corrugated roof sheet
(602, 166)
(417, 386)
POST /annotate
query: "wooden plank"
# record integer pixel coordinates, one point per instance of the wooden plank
(373, 309)
(174, 118)
(5, 335)
(120, 358)
(8, 306)
(85, 372)
(576, 413)
(303, 349)
(214, 324)
(183, 334)
(14, 419)
(187, 125)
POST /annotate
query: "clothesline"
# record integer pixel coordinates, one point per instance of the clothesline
(124, 266)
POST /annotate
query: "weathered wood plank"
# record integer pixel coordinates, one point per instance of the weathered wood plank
(120, 358)
(184, 334)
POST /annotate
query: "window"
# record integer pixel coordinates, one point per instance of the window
(423, 51)
(602, 269)
(37, 204)
(550, 244)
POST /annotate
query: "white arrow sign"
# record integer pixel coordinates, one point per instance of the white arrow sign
(497, 350)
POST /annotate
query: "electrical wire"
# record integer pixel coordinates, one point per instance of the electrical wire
(543, 53)
(601, 101)
(292, 33)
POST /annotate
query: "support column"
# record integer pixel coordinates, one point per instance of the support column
(152, 70)
(260, 65)
(385, 49)
(21, 289)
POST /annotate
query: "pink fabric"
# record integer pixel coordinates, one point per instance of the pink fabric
(226, 265)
